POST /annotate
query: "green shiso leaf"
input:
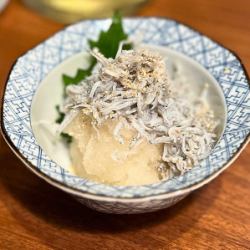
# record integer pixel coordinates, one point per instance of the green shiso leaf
(60, 116)
(66, 137)
(108, 41)
(108, 44)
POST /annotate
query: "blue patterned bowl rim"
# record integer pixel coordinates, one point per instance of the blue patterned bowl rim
(32, 67)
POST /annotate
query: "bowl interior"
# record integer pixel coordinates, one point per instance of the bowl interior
(50, 93)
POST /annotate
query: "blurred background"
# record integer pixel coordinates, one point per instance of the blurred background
(67, 11)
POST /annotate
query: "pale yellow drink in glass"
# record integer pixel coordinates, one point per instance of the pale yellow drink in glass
(68, 11)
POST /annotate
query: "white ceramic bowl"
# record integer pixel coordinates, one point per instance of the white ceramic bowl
(34, 88)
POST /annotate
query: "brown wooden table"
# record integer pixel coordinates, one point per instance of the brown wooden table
(34, 215)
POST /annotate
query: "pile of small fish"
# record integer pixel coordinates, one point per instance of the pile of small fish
(135, 87)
